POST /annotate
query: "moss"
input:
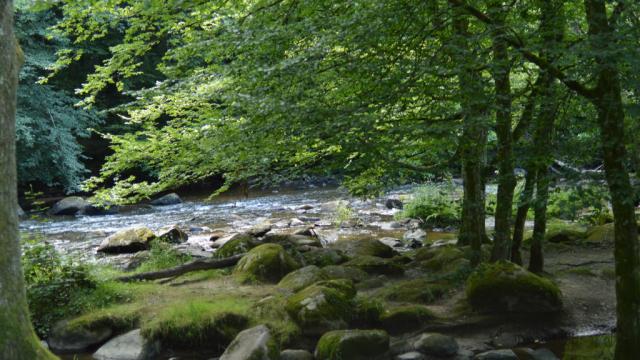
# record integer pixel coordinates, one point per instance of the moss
(239, 244)
(436, 259)
(271, 312)
(322, 307)
(363, 246)
(375, 265)
(324, 257)
(565, 232)
(507, 287)
(367, 313)
(406, 318)
(344, 272)
(265, 263)
(608, 273)
(352, 345)
(582, 271)
(600, 235)
(422, 291)
(197, 323)
(303, 277)
(119, 318)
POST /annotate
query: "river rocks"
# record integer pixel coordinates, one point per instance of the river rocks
(421, 290)
(169, 199)
(66, 339)
(69, 206)
(406, 318)
(375, 265)
(296, 355)
(363, 246)
(260, 230)
(236, 244)
(505, 287)
(129, 346)
(173, 235)
(436, 344)
(415, 236)
(413, 355)
(252, 344)
(352, 345)
(127, 241)
(322, 307)
(440, 259)
(505, 354)
(343, 272)
(324, 257)
(303, 277)
(393, 204)
(265, 263)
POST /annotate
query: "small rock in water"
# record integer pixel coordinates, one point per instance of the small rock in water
(296, 222)
(436, 344)
(130, 346)
(173, 235)
(260, 230)
(505, 354)
(394, 204)
(392, 242)
(169, 199)
(69, 206)
(305, 207)
(418, 235)
(129, 240)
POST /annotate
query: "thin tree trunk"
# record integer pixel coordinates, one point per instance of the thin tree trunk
(17, 338)
(611, 120)
(473, 142)
(506, 178)
(521, 215)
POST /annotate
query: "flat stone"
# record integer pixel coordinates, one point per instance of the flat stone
(414, 355)
(252, 344)
(129, 346)
(504, 354)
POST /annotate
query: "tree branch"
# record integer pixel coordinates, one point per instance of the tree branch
(200, 264)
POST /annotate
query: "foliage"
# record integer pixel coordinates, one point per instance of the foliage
(48, 125)
(343, 213)
(589, 203)
(434, 206)
(163, 256)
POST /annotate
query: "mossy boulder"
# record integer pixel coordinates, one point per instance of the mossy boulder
(363, 246)
(353, 345)
(324, 257)
(439, 258)
(504, 287)
(402, 319)
(303, 277)
(237, 244)
(367, 313)
(322, 307)
(68, 339)
(435, 344)
(345, 272)
(563, 232)
(253, 344)
(129, 240)
(267, 263)
(600, 235)
(421, 291)
(293, 239)
(375, 265)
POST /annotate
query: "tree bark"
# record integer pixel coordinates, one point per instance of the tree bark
(521, 216)
(608, 102)
(473, 141)
(17, 338)
(506, 178)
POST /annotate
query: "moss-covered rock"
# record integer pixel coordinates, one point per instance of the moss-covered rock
(324, 257)
(253, 344)
(437, 259)
(238, 244)
(363, 246)
(322, 307)
(406, 318)
(297, 240)
(421, 291)
(66, 339)
(265, 263)
(343, 272)
(367, 313)
(600, 235)
(564, 232)
(435, 344)
(507, 287)
(127, 241)
(352, 345)
(303, 277)
(375, 265)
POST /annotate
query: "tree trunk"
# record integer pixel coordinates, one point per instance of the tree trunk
(506, 178)
(521, 215)
(611, 121)
(17, 338)
(473, 141)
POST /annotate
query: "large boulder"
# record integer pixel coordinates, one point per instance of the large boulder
(302, 278)
(359, 246)
(322, 307)
(127, 241)
(129, 346)
(504, 287)
(236, 244)
(266, 263)
(435, 344)
(69, 206)
(253, 344)
(169, 199)
(406, 318)
(72, 339)
(352, 345)
(324, 257)
(375, 265)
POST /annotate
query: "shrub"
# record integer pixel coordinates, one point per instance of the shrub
(163, 256)
(588, 203)
(343, 213)
(434, 206)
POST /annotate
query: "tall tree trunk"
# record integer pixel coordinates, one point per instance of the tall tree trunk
(473, 141)
(611, 121)
(521, 216)
(506, 178)
(17, 339)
